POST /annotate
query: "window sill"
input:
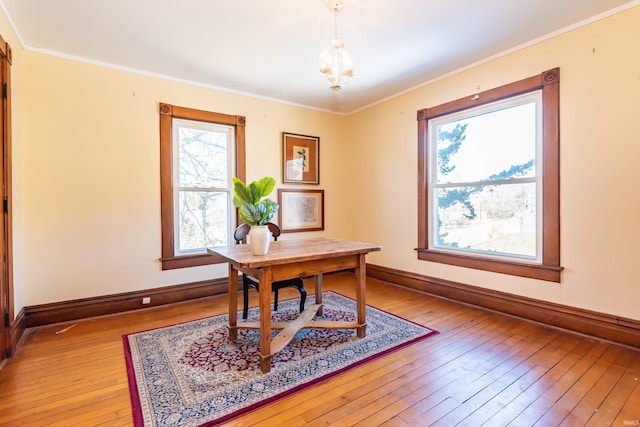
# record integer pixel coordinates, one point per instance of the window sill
(184, 261)
(549, 273)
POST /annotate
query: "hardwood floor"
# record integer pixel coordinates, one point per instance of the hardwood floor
(484, 368)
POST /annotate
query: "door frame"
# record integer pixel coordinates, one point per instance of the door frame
(6, 246)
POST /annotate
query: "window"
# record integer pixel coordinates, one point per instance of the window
(489, 180)
(200, 153)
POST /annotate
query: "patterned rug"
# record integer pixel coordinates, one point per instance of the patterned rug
(192, 375)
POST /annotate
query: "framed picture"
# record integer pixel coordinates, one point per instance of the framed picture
(300, 159)
(301, 210)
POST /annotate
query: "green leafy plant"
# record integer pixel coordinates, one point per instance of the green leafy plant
(251, 201)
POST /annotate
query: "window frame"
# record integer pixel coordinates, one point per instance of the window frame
(168, 112)
(549, 269)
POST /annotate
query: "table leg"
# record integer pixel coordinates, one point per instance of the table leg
(233, 303)
(318, 292)
(361, 284)
(264, 287)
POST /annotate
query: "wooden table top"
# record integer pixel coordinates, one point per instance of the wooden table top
(294, 250)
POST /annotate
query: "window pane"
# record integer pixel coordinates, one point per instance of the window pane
(203, 156)
(203, 220)
(497, 219)
(487, 146)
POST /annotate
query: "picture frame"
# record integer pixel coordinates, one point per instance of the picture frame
(300, 210)
(300, 159)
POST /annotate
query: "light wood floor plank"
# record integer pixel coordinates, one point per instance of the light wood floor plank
(629, 415)
(613, 402)
(528, 373)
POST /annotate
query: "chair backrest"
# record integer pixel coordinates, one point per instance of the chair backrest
(243, 229)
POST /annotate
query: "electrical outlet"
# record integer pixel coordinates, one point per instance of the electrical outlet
(146, 300)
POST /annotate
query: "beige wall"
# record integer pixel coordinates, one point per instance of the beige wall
(86, 173)
(600, 148)
(91, 180)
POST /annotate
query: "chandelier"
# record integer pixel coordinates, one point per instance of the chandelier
(336, 64)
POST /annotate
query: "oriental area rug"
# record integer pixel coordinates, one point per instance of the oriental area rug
(191, 375)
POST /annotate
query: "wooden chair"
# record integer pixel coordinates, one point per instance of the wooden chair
(247, 281)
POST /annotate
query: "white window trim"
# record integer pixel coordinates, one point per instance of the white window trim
(514, 101)
(205, 126)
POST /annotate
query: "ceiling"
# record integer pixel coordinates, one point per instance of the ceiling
(271, 49)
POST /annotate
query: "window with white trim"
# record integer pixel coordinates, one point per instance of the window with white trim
(489, 180)
(485, 178)
(200, 153)
(202, 185)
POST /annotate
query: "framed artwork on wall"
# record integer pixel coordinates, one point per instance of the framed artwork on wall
(300, 159)
(301, 210)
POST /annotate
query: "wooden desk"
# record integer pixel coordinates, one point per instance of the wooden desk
(289, 259)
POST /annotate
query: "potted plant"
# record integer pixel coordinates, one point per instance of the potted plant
(256, 210)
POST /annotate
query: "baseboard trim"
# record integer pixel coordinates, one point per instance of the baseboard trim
(600, 325)
(45, 314)
(16, 330)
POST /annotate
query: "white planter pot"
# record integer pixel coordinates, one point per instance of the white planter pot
(259, 239)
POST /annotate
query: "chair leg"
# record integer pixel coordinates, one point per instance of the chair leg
(275, 300)
(245, 295)
(303, 297)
